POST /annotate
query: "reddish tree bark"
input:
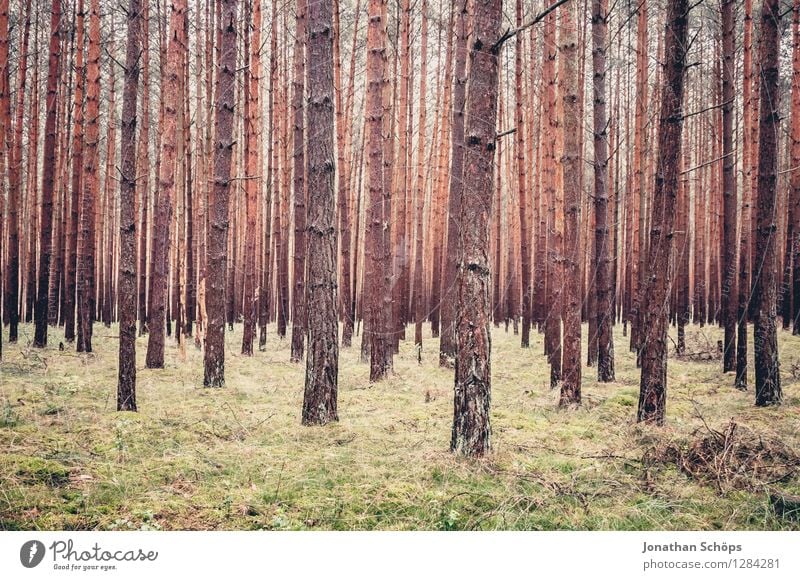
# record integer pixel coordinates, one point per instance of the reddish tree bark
(794, 163)
(602, 240)
(447, 334)
(5, 131)
(571, 165)
(32, 188)
(552, 339)
(765, 341)
(126, 385)
(638, 296)
(299, 186)
(165, 199)
(14, 159)
(343, 142)
(524, 211)
(322, 361)
(471, 434)
(419, 196)
(77, 178)
(48, 178)
(729, 196)
(143, 170)
(253, 184)
(378, 271)
(653, 385)
(224, 102)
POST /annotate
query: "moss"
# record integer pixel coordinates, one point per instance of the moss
(33, 470)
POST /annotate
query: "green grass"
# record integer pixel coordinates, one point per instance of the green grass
(238, 458)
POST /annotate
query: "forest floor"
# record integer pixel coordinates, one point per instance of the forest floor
(238, 457)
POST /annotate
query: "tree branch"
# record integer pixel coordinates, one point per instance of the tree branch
(509, 33)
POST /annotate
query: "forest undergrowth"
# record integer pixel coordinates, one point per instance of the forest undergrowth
(238, 457)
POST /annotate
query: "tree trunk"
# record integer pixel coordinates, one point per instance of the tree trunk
(447, 326)
(653, 386)
(77, 181)
(745, 250)
(14, 161)
(166, 184)
(224, 102)
(419, 292)
(571, 165)
(299, 186)
(343, 137)
(524, 211)
(48, 178)
(794, 162)
(126, 385)
(379, 298)
(322, 361)
(603, 247)
(552, 340)
(765, 342)
(729, 196)
(31, 188)
(143, 171)
(253, 183)
(471, 427)
(5, 160)
(640, 162)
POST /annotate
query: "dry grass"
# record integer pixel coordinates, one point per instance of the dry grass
(238, 458)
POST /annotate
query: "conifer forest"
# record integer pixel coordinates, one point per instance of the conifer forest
(400, 264)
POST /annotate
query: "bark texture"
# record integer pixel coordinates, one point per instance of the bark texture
(165, 199)
(471, 434)
(214, 359)
(571, 166)
(48, 179)
(126, 383)
(603, 243)
(765, 340)
(322, 359)
(377, 266)
(653, 385)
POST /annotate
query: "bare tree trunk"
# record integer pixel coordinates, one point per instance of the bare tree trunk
(5, 161)
(729, 196)
(343, 137)
(552, 339)
(794, 162)
(603, 247)
(653, 386)
(32, 188)
(14, 161)
(765, 341)
(299, 186)
(224, 102)
(143, 170)
(640, 178)
(571, 166)
(322, 361)
(379, 295)
(471, 433)
(253, 184)
(419, 292)
(166, 183)
(76, 182)
(447, 336)
(48, 178)
(745, 249)
(524, 211)
(126, 385)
